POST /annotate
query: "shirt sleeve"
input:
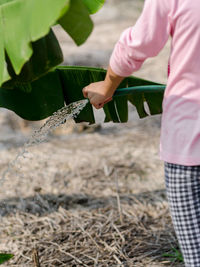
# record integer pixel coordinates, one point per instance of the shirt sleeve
(145, 39)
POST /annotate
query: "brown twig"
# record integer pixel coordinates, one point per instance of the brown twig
(36, 258)
(118, 199)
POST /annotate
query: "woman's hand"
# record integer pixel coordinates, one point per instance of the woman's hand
(100, 93)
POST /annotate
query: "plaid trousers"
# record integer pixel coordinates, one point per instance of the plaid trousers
(183, 193)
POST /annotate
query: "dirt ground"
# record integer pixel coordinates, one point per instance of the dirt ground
(88, 195)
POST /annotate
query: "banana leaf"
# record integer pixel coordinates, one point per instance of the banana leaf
(22, 22)
(46, 55)
(64, 85)
(44, 97)
(77, 22)
(93, 6)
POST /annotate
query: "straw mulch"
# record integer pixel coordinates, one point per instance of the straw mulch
(93, 199)
(121, 233)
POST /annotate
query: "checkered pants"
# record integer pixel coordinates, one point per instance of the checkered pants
(183, 192)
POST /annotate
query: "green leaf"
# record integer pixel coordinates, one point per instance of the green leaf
(94, 5)
(46, 55)
(22, 22)
(5, 257)
(111, 112)
(65, 84)
(76, 22)
(117, 109)
(152, 96)
(155, 102)
(4, 76)
(138, 101)
(122, 108)
(175, 255)
(73, 80)
(44, 98)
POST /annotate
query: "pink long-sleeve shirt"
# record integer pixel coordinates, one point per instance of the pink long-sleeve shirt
(180, 19)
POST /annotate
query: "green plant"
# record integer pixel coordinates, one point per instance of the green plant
(64, 85)
(29, 52)
(174, 255)
(5, 257)
(24, 22)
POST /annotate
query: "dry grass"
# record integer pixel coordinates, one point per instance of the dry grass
(127, 231)
(94, 199)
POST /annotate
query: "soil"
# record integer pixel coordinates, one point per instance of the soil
(88, 195)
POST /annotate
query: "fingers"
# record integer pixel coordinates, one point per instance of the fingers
(108, 100)
(99, 105)
(94, 93)
(93, 99)
(95, 104)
